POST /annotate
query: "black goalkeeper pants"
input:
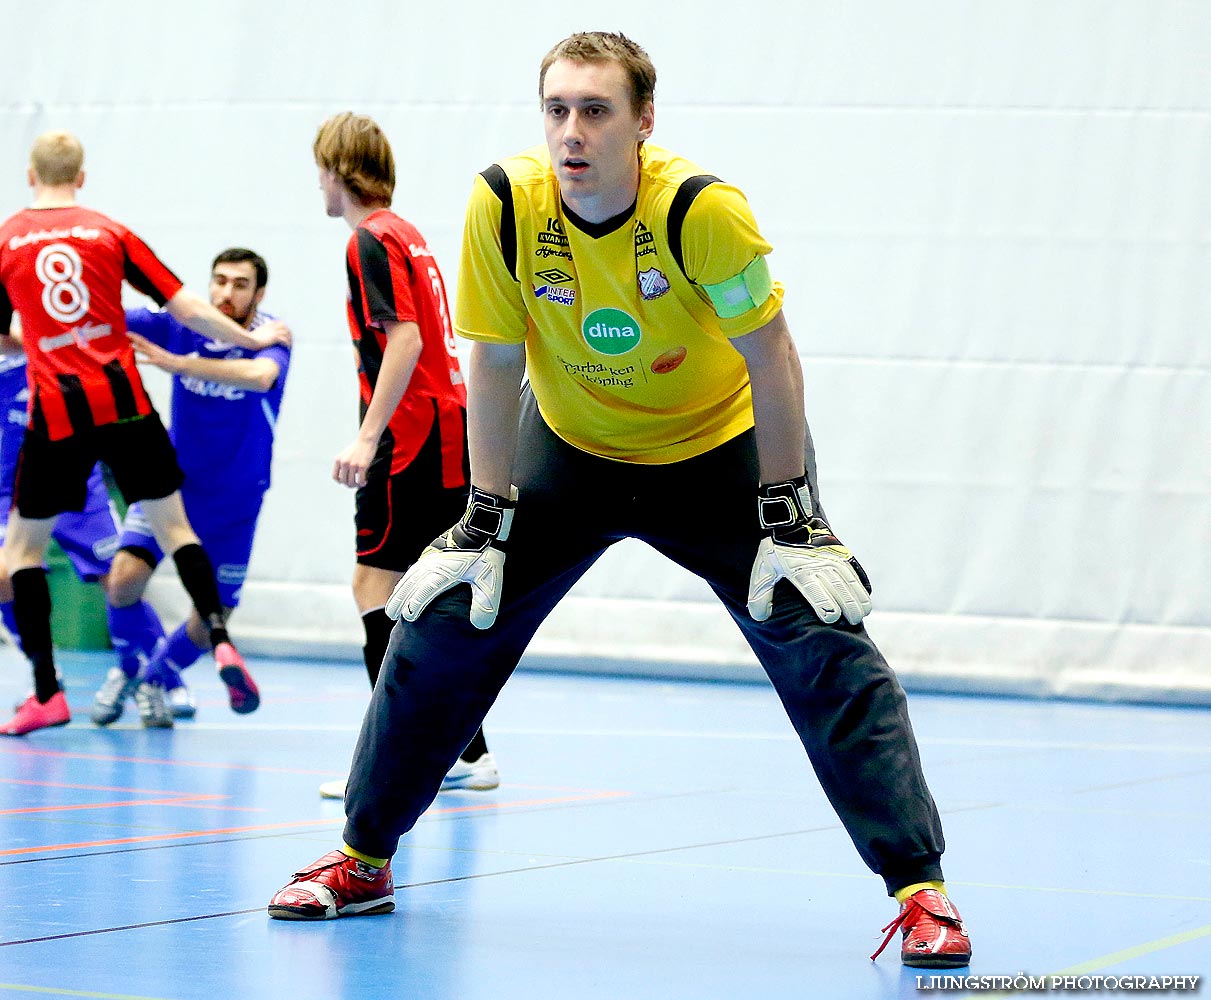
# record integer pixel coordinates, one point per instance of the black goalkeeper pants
(441, 675)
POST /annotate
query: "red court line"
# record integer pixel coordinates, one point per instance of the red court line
(227, 831)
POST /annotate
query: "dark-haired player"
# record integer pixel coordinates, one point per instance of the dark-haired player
(225, 405)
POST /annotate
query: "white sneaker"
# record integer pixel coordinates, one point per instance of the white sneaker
(153, 710)
(333, 789)
(479, 775)
(109, 700)
(181, 703)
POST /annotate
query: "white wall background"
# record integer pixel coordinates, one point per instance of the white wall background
(992, 217)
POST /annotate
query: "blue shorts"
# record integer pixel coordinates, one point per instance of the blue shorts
(88, 537)
(225, 530)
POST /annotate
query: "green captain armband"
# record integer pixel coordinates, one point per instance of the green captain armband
(747, 290)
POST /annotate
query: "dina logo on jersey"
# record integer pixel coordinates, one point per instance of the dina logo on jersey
(653, 283)
(611, 331)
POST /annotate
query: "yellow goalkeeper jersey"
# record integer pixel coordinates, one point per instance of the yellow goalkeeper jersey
(626, 323)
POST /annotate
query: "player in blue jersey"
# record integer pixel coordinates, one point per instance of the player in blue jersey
(89, 537)
(225, 403)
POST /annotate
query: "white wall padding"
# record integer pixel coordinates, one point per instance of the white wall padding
(992, 218)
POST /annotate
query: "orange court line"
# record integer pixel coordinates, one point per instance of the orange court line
(170, 801)
(86, 788)
(524, 803)
(64, 754)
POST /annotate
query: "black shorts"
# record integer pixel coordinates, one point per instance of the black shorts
(52, 476)
(398, 516)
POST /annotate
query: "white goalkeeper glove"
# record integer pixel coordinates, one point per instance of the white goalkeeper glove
(802, 548)
(470, 552)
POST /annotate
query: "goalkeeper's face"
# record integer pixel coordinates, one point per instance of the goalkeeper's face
(593, 133)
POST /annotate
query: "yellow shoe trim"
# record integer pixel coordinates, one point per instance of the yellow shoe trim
(901, 894)
(373, 862)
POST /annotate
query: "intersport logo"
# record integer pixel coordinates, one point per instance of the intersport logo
(611, 331)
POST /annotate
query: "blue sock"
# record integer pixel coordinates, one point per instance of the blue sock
(177, 653)
(10, 622)
(134, 631)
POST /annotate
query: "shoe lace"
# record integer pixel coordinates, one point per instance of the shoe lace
(906, 919)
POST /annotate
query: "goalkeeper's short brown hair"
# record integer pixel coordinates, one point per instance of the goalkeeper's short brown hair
(606, 46)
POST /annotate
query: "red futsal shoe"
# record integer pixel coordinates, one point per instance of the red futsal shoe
(241, 688)
(335, 886)
(32, 714)
(934, 935)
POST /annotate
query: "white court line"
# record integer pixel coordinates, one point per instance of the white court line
(56, 991)
(681, 734)
(1069, 745)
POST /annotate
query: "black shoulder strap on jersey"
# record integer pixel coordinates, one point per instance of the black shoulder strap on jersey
(690, 188)
(498, 181)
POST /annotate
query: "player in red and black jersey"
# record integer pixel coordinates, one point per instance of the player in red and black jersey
(62, 268)
(409, 459)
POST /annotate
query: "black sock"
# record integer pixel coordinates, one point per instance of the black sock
(197, 576)
(31, 608)
(378, 634)
(475, 749)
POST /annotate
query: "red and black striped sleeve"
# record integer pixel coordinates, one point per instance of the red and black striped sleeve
(384, 270)
(146, 272)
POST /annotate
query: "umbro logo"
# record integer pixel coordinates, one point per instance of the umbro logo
(553, 276)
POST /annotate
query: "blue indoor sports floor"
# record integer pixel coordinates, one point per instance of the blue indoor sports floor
(650, 839)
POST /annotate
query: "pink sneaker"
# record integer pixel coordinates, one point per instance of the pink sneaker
(335, 886)
(241, 688)
(33, 715)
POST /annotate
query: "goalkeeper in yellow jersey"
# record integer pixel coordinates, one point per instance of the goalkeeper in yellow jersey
(665, 403)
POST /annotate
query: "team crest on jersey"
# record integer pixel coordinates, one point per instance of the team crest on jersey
(653, 283)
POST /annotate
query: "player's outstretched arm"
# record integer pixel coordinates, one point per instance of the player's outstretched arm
(251, 374)
(200, 316)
